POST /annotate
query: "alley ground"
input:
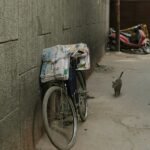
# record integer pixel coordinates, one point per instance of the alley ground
(121, 123)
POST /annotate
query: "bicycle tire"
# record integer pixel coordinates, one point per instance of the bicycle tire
(81, 86)
(48, 129)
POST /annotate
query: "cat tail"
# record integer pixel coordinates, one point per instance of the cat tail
(121, 75)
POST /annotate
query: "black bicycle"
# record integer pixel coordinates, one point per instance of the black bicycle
(63, 102)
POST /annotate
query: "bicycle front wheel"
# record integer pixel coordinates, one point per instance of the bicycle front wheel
(60, 118)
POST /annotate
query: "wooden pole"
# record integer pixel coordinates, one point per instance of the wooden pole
(118, 24)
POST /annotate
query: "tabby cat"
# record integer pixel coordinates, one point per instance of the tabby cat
(117, 84)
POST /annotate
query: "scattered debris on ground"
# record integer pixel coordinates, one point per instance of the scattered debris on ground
(103, 68)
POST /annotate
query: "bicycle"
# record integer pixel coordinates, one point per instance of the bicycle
(63, 102)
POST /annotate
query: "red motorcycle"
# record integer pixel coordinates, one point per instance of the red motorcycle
(133, 42)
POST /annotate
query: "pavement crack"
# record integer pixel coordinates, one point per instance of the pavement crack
(132, 144)
(118, 121)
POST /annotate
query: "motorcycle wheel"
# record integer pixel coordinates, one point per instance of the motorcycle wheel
(146, 48)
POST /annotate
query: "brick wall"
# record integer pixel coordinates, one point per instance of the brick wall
(26, 27)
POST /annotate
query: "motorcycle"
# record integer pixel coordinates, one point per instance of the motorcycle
(133, 41)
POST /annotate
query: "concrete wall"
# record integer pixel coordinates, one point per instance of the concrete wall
(26, 27)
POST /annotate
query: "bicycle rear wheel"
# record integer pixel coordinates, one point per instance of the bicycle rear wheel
(82, 95)
(60, 118)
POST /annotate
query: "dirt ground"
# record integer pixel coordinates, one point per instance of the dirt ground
(121, 123)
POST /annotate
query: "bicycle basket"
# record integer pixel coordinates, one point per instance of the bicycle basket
(56, 61)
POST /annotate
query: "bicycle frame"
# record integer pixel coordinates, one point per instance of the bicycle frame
(70, 84)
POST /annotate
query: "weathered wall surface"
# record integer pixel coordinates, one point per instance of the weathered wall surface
(26, 27)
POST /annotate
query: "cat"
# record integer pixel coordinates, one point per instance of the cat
(117, 84)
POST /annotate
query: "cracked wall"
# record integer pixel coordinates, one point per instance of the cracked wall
(26, 27)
